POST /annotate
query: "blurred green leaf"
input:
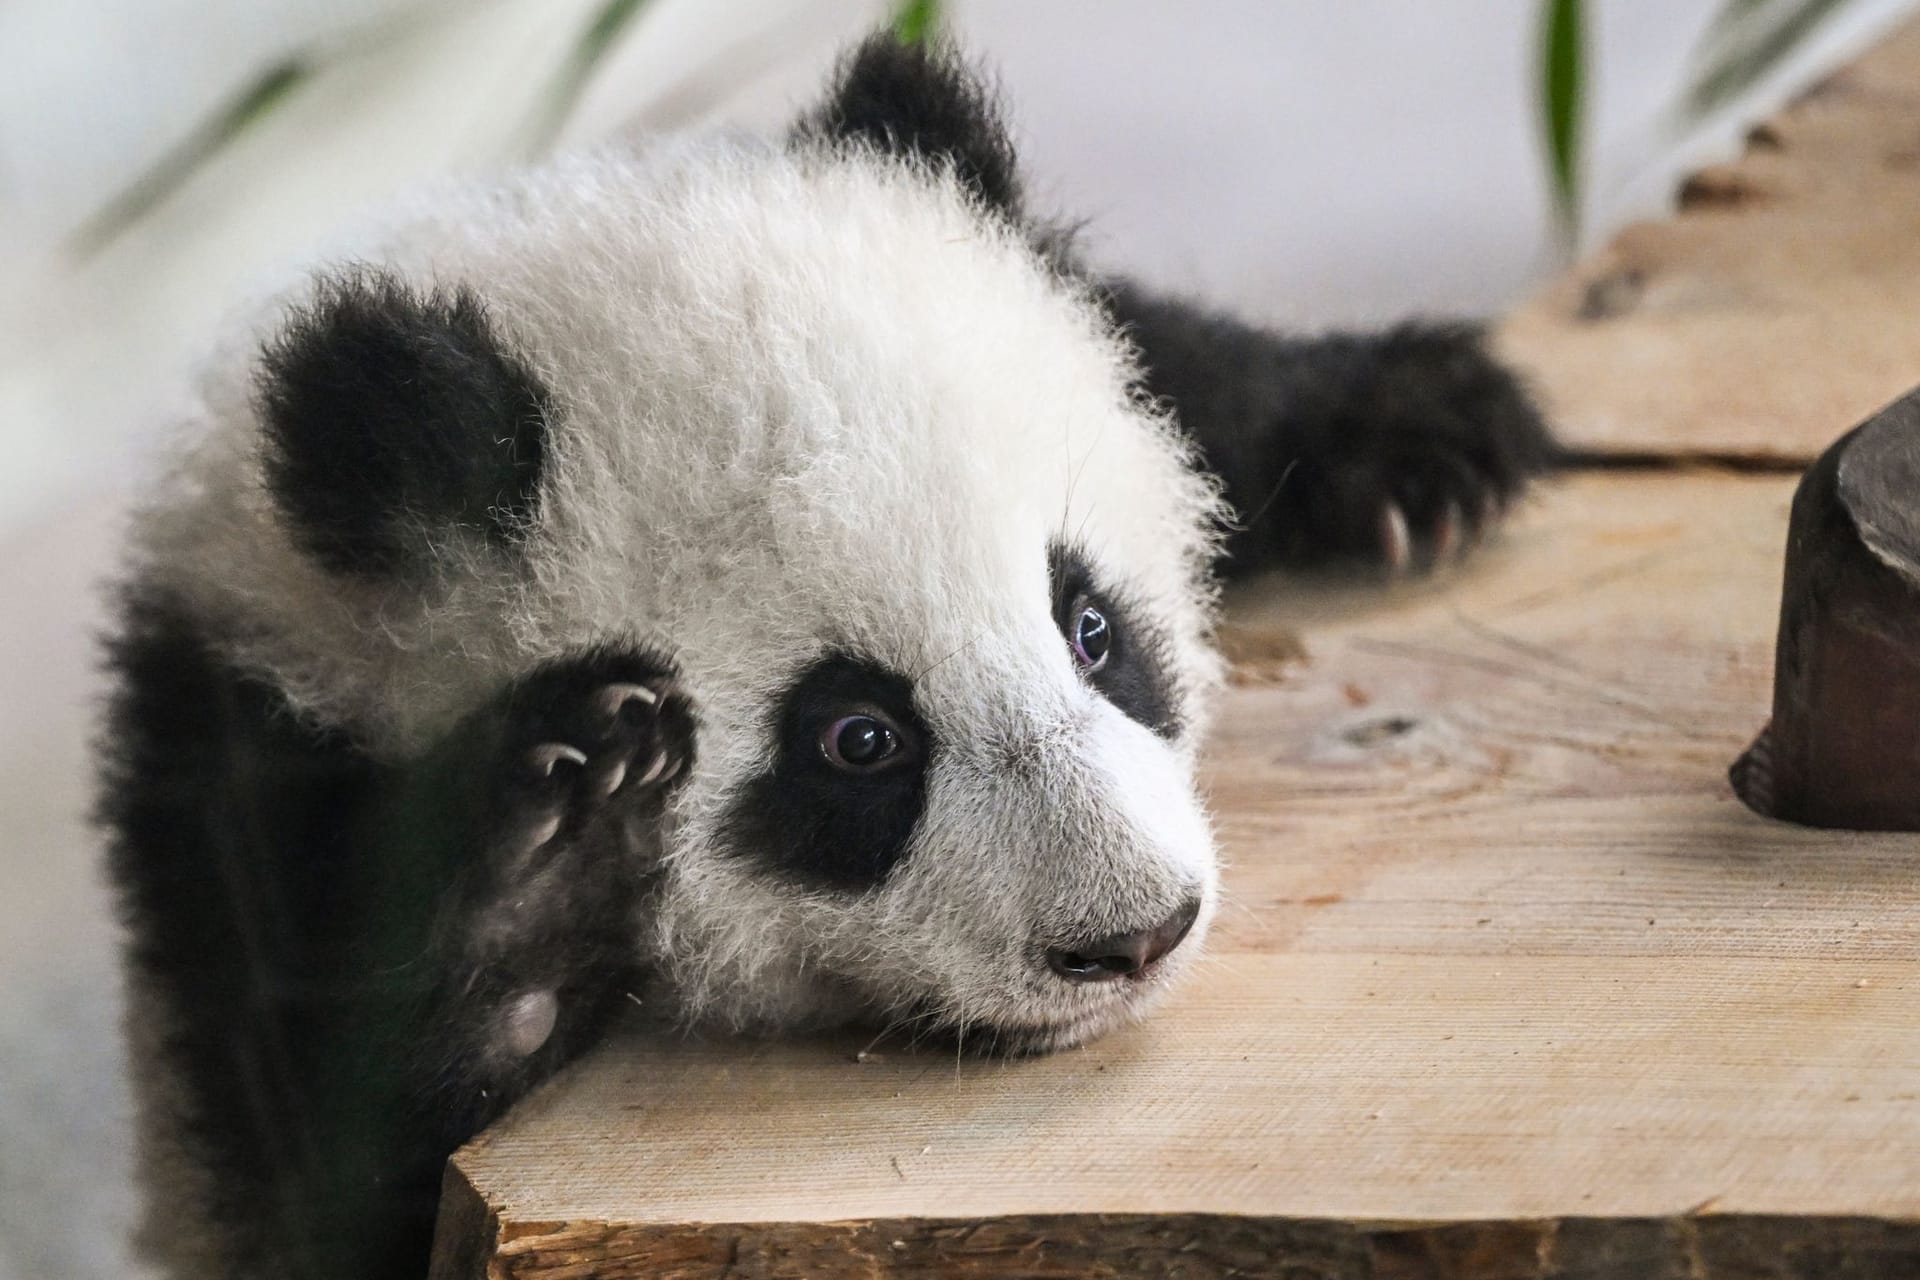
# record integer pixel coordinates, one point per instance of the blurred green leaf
(915, 20)
(1735, 11)
(1563, 100)
(1748, 39)
(609, 22)
(252, 104)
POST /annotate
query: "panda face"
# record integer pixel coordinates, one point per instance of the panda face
(1000, 842)
(944, 623)
(832, 434)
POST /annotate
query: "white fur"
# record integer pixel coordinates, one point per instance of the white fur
(804, 401)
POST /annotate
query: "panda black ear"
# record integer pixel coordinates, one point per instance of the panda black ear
(922, 100)
(393, 417)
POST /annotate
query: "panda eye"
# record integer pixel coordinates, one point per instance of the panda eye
(1091, 637)
(862, 742)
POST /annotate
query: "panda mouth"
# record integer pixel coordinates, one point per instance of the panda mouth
(1040, 1039)
(985, 1038)
(1051, 1011)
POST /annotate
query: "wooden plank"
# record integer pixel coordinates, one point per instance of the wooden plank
(1509, 982)
(1774, 311)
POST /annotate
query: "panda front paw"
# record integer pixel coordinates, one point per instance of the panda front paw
(602, 734)
(555, 789)
(1407, 449)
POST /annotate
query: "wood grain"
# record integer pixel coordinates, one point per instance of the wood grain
(1774, 311)
(1502, 949)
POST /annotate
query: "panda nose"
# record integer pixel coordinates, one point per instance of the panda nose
(1123, 955)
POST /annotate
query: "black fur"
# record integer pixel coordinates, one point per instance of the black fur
(923, 101)
(334, 940)
(805, 819)
(1137, 676)
(393, 417)
(203, 770)
(1315, 437)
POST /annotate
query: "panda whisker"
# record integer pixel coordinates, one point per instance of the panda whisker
(885, 1031)
(1073, 481)
(929, 1023)
(1243, 909)
(1211, 961)
(917, 1021)
(922, 673)
(1091, 508)
(1273, 495)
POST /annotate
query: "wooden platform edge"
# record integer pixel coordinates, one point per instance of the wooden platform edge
(1702, 1246)
(466, 1235)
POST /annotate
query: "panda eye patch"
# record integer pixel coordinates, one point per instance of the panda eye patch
(1092, 635)
(841, 797)
(1113, 641)
(862, 741)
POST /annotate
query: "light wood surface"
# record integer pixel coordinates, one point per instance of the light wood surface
(1777, 307)
(1510, 985)
(1502, 948)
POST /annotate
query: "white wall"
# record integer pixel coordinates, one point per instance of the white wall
(1310, 162)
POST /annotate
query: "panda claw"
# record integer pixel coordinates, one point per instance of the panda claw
(610, 779)
(538, 833)
(548, 756)
(1450, 536)
(1396, 540)
(655, 768)
(615, 698)
(1493, 509)
(583, 748)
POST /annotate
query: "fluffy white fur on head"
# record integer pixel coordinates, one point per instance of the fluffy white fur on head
(805, 403)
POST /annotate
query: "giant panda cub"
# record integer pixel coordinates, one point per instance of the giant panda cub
(768, 581)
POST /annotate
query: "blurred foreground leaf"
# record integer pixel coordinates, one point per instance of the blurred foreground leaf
(1563, 53)
(251, 105)
(589, 51)
(1748, 39)
(915, 20)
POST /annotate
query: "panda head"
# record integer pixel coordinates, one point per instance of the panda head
(829, 423)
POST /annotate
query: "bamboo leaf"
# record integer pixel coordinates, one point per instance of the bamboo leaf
(1748, 39)
(255, 102)
(1563, 100)
(609, 22)
(259, 98)
(915, 20)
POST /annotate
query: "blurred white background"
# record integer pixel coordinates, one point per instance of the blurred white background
(1311, 164)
